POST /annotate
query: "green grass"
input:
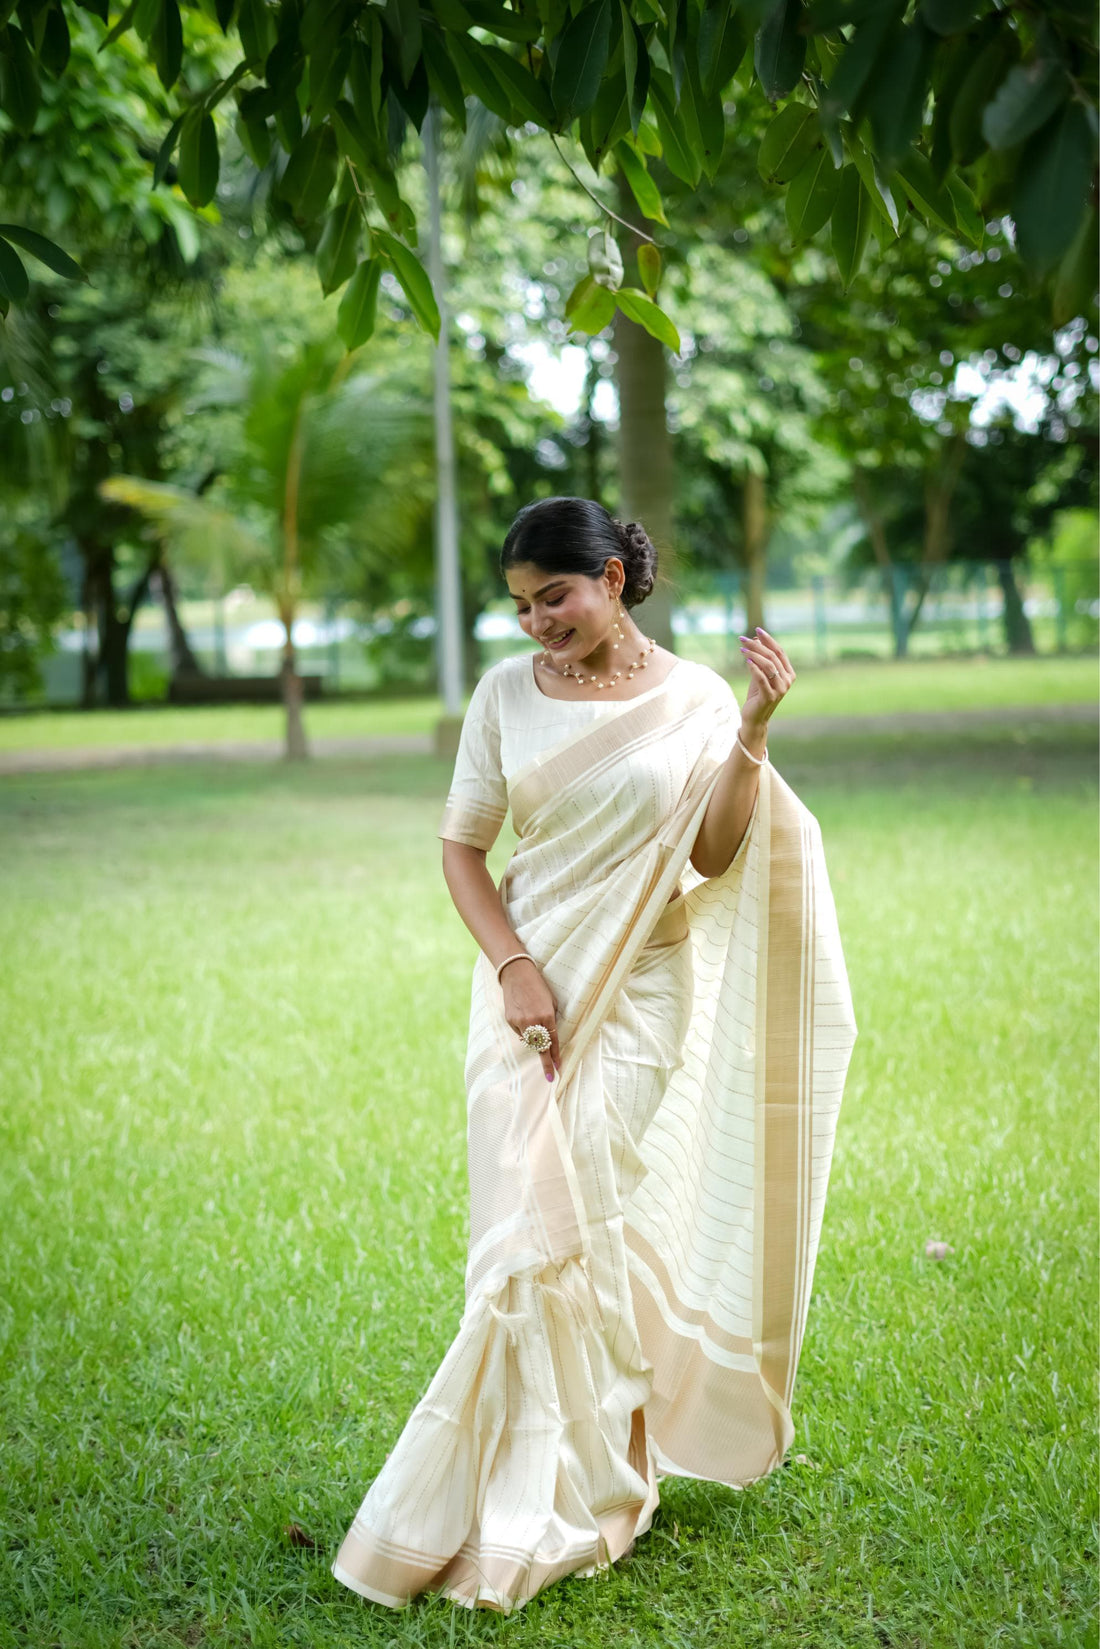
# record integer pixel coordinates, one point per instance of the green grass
(837, 689)
(233, 1181)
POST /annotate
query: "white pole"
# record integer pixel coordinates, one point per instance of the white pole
(448, 601)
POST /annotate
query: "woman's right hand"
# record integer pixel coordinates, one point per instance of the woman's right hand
(528, 1001)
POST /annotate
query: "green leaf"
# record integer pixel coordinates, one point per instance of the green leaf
(146, 13)
(402, 18)
(56, 44)
(337, 250)
(930, 200)
(636, 69)
(589, 308)
(350, 134)
(475, 70)
(710, 118)
(255, 26)
(198, 163)
(812, 195)
(986, 72)
(19, 94)
(649, 267)
(851, 221)
(682, 160)
(310, 173)
(529, 98)
(788, 143)
(1051, 193)
(414, 280)
(359, 306)
(509, 24)
(167, 43)
(224, 11)
(780, 50)
(1075, 286)
(873, 179)
(637, 307)
(167, 149)
(642, 186)
(98, 8)
(581, 60)
(1027, 97)
(14, 284)
(895, 102)
(852, 73)
(443, 78)
(120, 27)
(326, 81)
(44, 250)
(968, 212)
(255, 139)
(948, 16)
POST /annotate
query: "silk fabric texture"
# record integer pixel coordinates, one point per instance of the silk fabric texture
(643, 1230)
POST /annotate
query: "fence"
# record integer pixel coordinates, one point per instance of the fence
(960, 607)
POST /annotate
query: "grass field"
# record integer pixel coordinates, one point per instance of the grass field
(838, 689)
(233, 1180)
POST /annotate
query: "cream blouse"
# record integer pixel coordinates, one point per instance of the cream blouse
(508, 722)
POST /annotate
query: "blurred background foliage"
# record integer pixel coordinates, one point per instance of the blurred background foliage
(164, 426)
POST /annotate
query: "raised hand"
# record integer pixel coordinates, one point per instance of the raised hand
(772, 675)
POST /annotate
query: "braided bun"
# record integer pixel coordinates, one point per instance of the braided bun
(639, 560)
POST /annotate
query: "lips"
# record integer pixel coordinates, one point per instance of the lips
(561, 640)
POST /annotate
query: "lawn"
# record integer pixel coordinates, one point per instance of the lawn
(233, 1176)
(836, 689)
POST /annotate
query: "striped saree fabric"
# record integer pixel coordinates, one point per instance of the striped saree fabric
(643, 1230)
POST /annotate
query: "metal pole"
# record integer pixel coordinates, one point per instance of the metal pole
(448, 606)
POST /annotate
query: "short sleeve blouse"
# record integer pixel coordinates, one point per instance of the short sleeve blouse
(478, 798)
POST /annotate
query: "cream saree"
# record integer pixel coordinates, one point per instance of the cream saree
(643, 1231)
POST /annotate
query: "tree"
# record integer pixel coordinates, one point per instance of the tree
(323, 448)
(953, 112)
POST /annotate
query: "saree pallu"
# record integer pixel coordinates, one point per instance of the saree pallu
(643, 1230)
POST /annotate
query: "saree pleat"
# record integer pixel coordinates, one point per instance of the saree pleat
(643, 1231)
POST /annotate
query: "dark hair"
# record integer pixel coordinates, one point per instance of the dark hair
(577, 535)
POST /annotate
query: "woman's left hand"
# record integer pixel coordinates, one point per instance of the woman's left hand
(772, 674)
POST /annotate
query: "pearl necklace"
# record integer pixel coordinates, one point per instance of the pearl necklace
(640, 663)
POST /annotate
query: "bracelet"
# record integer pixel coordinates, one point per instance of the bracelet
(759, 760)
(515, 956)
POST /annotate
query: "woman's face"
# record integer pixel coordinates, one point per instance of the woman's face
(570, 605)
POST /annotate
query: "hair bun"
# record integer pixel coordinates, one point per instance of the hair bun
(639, 562)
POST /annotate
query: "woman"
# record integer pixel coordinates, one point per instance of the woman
(660, 1030)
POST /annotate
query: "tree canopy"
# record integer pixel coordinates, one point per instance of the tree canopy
(953, 111)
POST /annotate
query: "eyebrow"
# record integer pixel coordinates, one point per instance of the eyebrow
(553, 582)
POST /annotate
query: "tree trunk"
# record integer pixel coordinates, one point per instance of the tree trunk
(593, 434)
(295, 748)
(645, 446)
(184, 662)
(754, 527)
(893, 577)
(105, 674)
(1018, 635)
(941, 479)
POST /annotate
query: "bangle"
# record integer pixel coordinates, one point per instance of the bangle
(515, 956)
(759, 760)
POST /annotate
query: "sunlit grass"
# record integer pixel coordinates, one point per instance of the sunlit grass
(232, 1170)
(836, 689)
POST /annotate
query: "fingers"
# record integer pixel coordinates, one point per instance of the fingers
(768, 662)
(550, 1059)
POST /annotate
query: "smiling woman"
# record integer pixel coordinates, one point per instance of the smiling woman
(660, 1029)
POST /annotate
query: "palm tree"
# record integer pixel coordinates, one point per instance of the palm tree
(333, 463)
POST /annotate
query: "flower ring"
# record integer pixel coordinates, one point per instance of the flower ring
(537, 1037)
